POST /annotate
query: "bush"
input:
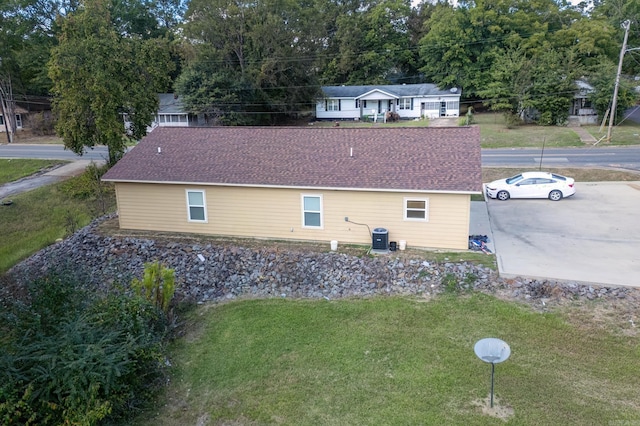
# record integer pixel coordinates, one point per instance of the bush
(76, 357)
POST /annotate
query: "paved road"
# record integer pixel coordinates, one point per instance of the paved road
(51, 152)
(627, 158)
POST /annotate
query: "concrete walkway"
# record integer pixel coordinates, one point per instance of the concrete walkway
(585, 136)
(57, 174)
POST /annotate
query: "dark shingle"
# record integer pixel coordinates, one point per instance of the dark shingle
(411, 158)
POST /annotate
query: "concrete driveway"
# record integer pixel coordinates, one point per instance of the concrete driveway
(592, 237)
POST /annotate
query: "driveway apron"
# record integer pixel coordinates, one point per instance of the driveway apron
(592, 237)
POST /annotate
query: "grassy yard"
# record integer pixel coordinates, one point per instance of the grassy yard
(396, 361)
(495, 134)
(627, 133)
(37, 218)
(11, 170)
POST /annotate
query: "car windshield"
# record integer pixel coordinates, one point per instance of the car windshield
(514, 179)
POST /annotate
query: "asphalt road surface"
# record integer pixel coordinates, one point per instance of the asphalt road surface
(626, 158)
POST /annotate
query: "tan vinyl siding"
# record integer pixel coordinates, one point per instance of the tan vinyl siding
(277, 213)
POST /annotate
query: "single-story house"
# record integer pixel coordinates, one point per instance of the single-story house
(298, 183)
(409, 101)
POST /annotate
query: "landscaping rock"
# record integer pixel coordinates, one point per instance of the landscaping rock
(210, 272)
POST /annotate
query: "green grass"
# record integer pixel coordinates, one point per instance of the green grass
(394, 361)
(495, 134)
(14, 169)
(36, 219)
(627, 133)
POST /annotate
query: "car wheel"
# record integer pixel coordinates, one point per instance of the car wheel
(502, 195)
(555, 195)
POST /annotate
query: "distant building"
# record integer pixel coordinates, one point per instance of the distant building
(409, 101)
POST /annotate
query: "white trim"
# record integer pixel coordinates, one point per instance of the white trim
(405, 209)
(204, 205)
(302, 188)
(303, 211)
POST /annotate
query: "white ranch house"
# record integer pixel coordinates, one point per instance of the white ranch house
(408, 100)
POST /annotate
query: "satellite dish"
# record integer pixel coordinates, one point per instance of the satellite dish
(453, 89)
(493, 351)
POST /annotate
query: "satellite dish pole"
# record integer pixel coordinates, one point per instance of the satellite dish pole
(626, 25)
(492, 350)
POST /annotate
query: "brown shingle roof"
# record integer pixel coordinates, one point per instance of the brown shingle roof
(410, 158)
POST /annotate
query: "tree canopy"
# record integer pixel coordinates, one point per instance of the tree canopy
(99, 76)
(263, 61)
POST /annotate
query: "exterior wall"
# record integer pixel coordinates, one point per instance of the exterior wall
(348, 110)
(277, 214)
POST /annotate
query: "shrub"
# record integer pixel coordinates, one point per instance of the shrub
(157, 285)
(78, 357)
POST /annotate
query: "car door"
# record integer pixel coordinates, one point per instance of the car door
(544, 187)
(526, 188)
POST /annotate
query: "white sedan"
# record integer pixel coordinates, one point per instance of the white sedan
(532, 185)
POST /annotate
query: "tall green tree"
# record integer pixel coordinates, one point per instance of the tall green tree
(374, 45)
(254, 60)
(100, 77)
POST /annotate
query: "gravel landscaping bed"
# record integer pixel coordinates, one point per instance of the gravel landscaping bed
(212, 271)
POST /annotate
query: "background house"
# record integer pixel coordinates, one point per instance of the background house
(408, 100)
(312, 184)
(171, 113)
(581, 109)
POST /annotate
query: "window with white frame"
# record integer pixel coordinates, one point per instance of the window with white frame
(196, 206)
(453, 105)
(18, 121)
(311, 211)
(1, 120)
(416, 209)
(333, 104)
(404, 103)
(432, 106)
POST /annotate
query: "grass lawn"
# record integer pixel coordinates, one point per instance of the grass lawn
(627, 133)
(398, 361)
(37, 218)
(495, 134)
(14, 169)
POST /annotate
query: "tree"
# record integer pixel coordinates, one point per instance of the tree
(253, 62)
(602, 78)
(100, 76)
(373, 43)
(543, 84)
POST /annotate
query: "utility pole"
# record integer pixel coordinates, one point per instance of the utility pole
(626, 25)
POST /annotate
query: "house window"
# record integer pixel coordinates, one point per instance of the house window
(196, 206)
(432, 106)
(453, 105)
(18, 121)
(1, 120)
(405, 103)
(312, 211)
(416, 209)
(333, 105)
